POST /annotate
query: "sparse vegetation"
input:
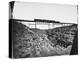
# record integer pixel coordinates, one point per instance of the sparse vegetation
(34, 42)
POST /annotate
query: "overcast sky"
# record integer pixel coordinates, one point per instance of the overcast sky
(57, 12)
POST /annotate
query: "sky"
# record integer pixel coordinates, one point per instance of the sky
(33, 10)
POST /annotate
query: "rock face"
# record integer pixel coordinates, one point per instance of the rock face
(28, 42)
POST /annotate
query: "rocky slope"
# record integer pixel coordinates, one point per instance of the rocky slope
(38, 43)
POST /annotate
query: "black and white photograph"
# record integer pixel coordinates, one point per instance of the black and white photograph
(42, 29)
